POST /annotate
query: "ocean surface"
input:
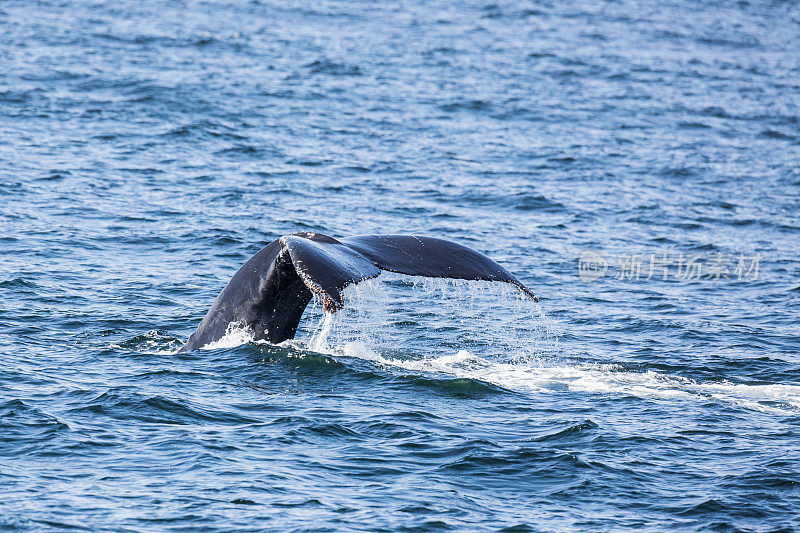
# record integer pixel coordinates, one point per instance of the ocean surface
(637, 164)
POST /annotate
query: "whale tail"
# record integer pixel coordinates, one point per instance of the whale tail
(272, 289)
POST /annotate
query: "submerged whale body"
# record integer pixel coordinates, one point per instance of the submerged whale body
(269, 293)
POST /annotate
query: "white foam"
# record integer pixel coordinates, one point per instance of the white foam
(319, 341)
(151, 343)
(236, 334)
(590, 378)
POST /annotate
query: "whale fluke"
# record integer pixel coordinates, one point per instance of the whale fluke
(269, 293)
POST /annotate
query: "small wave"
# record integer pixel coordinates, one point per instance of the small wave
(693, 125)
(22, 424)
(246, 151)
(18, 283)
(466, 105)
(125, 403)
(577, 430)
(773, 134)
(332, 68)
(529, 202)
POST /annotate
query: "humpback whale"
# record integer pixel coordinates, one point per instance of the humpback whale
(269, 293)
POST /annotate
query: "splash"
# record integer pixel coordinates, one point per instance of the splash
(413, 317)
(319, 340)
(236, 334)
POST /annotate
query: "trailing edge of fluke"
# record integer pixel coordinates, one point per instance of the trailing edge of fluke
(269, 293)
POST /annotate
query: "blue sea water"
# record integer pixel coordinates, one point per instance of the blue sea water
(148, 148)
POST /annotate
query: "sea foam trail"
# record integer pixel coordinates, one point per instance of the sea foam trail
(589, 378)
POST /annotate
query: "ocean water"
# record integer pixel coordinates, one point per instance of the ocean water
(637, 164)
